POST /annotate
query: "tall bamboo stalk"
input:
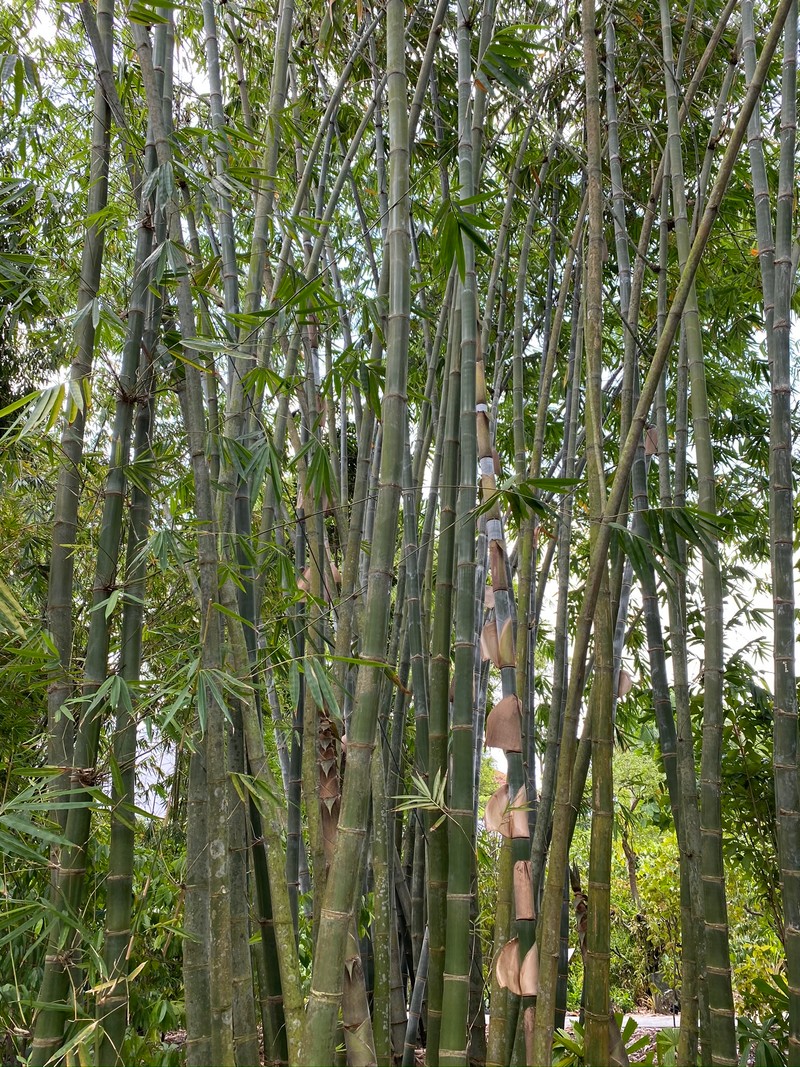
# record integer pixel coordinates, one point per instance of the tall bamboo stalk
(345, 870)
(718, 973)
(441, 634)
(70, 873)
(65, 515)
(461, 826)
(598, 938)
(776, 275)
(112, 1004)
(787, 795)
(213, 738)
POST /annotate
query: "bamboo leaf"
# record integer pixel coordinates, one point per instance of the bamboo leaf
(510, 55)
(11, 611)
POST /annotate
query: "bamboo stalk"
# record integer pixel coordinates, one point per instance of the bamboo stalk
(70, 873)
(460, 824)
(601, 705)
(787, 794)
(440, 685)
(775, 257)
(345, 870)
(722, 1037)
(67, 499)
(112, 1005)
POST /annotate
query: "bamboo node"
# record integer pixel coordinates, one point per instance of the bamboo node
(330, 913)
(327, 998)
(87, 776)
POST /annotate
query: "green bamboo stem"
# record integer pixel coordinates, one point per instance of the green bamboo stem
(563, 958)
(337, 909)
(320, 832)
(418, 879)
(662, 702)
(476, 1018)
(415, 635)
(384, 927)
(227, 242)
(278, 907)
(694, 1001)
(70, 873)
(440, 682)
(232, 512)
(717, 123)
(65, 515)
(426, 69)
(695, 1018)
(99, 41)
(220, 983)
(294, 839)
(598, 936)
(460, 823)
(415, 1006)
(272, 135)
(520, 451)
(245, 1035)
(775, 256)
(348, 602)
(527, 533)
(196, 914)
(496, 276)
(787, 794)
(718, 974)
(437, 434)
(371, 505)
(112, 1004)
(761, 194)
(541, 830)
(252, 298)
(621, 240)
(630, 339)
(497, 1053)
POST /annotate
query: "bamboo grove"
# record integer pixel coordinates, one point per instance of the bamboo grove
(385, 383)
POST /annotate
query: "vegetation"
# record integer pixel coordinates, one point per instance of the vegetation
(381, 384)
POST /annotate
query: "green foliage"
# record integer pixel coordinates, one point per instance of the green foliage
(568, 1050)
(453, 225)
(667, 1047)
(510, 56)
(156, 993)
(764, 1041)
(156, 999)
(646, 936)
